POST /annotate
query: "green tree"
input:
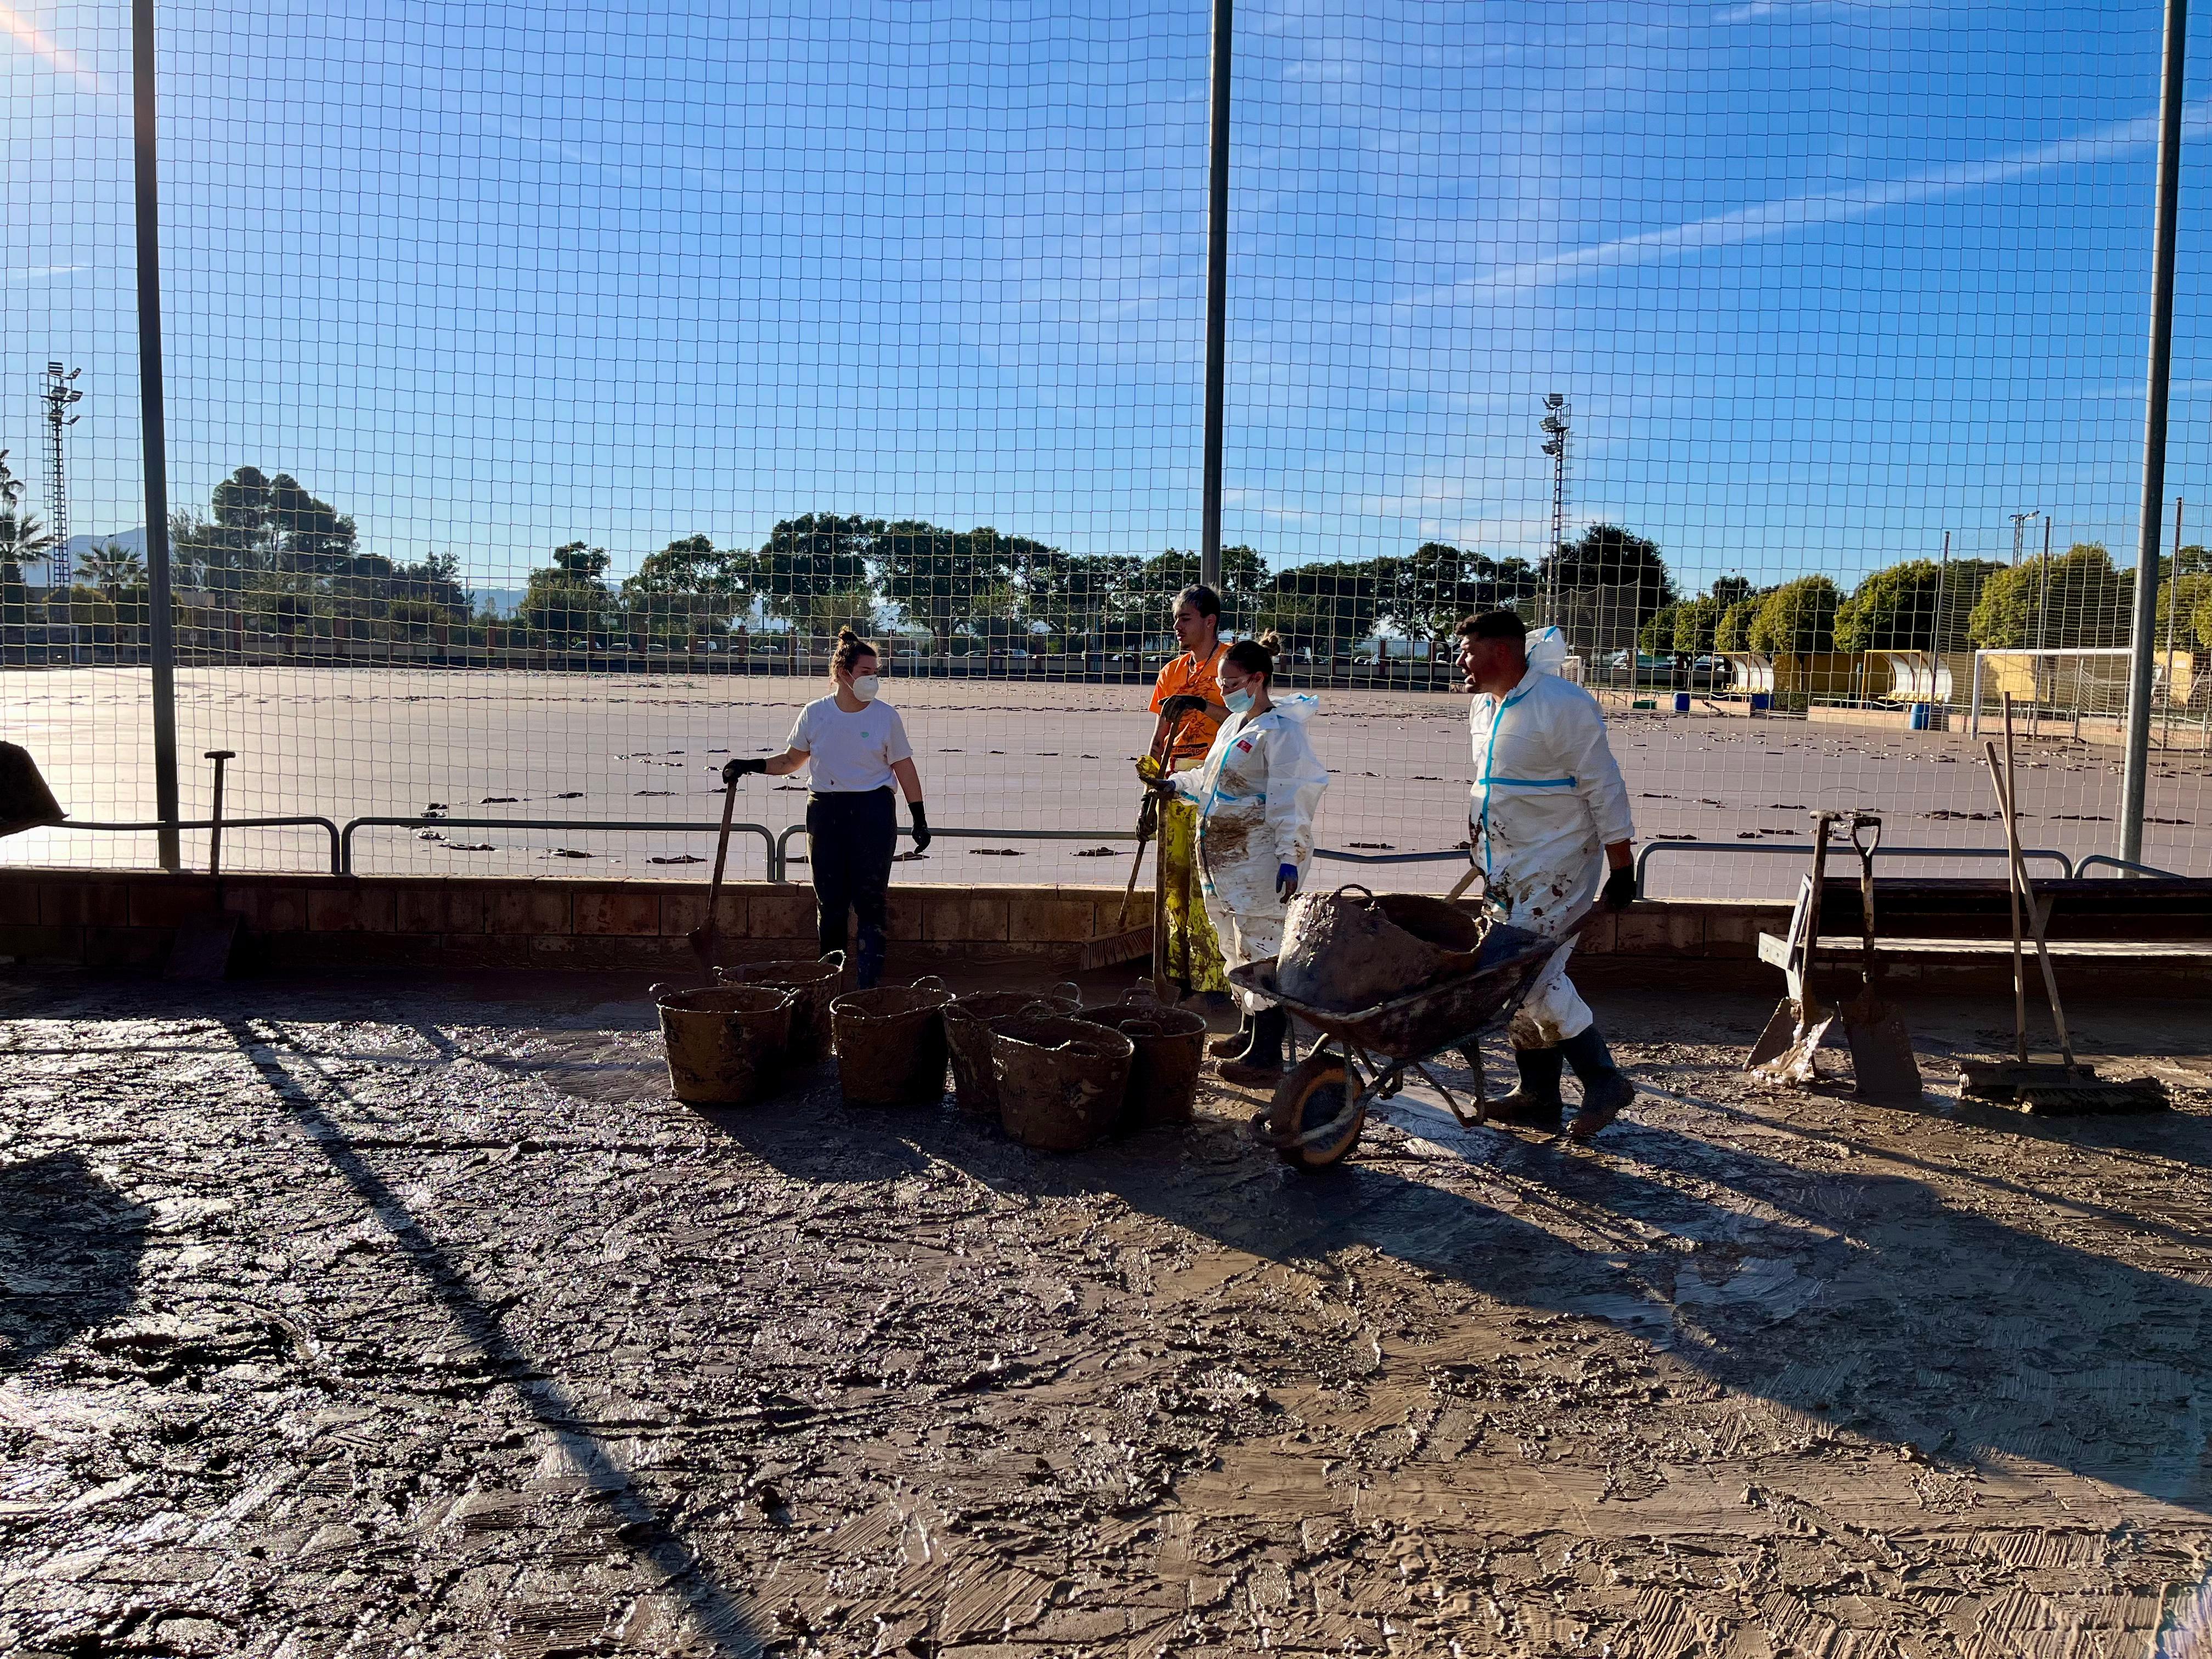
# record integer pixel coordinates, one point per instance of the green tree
(111, 567)
(313, 535)
(950, 581)
(1696, 622)
(84, 607)
(1895, 608)
(690, 590)
(1798, 616)
(2076, 602)
(566, 601)
(815, 567)
(1315, 607)
(1144, 607)
(1073, 594)
(1609, 557)
(1426, 596)
(1733, 631)
(1656, 636)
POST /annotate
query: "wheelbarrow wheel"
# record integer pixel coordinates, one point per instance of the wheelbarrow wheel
(1318, 1090)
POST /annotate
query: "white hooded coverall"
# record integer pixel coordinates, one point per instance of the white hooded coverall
(1256, 792)
(1547, 800)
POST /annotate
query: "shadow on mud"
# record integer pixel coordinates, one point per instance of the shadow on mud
(1872, 1303)
(69, 1251)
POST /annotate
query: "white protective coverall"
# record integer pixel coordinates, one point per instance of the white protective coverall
(1547, 801)
(1256, 792)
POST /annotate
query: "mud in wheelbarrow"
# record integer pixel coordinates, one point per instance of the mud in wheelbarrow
(1321, 1105)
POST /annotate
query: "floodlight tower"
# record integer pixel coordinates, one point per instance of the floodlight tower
(2019, 530)
(1555, 428)
(58, 394)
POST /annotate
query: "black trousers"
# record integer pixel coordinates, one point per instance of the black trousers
(850, 842)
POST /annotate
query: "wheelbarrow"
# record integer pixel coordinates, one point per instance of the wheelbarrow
(1321, 1105)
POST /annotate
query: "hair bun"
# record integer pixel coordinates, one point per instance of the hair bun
(847, 637)
(1270, 642)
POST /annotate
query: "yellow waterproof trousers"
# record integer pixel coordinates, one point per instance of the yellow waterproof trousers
(1193, 953)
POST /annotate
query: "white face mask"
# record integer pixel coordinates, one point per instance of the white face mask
(866, 687)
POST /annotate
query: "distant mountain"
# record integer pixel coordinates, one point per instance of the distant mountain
(133, 539)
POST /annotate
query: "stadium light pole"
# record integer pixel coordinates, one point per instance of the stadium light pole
(153, 441)
(1217, 291)
(2135, 773)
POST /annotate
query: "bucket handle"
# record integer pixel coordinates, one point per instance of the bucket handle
(837, 957)
(1355, 887)
(930, 983)
(1067, 991)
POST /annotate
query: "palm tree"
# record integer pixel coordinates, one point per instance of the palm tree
(111, 566)
(22, 537)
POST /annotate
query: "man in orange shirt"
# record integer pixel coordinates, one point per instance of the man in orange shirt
(1193, 955)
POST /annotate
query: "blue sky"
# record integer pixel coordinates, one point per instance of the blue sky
(1822, 279)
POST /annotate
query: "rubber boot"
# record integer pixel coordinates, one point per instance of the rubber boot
(1237, 1044)
(1536, 1103)
(1605, 1090)
(1261, 1066)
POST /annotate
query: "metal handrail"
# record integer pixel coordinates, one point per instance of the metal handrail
(337, 846)
(345, 848)
(1457, 855)
(780, 864)
(1804, 849)
(2133, 869)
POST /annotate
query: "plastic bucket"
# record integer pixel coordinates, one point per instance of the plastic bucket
(968, 1022)
(1919, 717)
(1681, 702)
(1170, 1049)
(815, 985)
(1061, 1082)
(1762, 701)
(891, 1044)
(724, 1041)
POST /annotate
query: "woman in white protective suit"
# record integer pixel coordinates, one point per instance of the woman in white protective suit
(1255, 792)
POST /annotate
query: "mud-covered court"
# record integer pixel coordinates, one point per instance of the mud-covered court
(387, 1316)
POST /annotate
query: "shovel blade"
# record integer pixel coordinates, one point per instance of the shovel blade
(703, 940)
(1882, 1066)
(1785, 1049)
(203, 946)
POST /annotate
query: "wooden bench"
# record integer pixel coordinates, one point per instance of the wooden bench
(2153, 927)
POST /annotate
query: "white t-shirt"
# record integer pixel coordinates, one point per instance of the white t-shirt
(850, 754)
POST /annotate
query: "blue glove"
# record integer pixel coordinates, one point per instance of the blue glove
(1286, 881)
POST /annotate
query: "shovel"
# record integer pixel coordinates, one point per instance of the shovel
(203, 945)
(1883, 1069)
(1785, 1049)
(703, 937)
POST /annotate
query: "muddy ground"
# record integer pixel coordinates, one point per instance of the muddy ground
(402, 1316)
(994, 756)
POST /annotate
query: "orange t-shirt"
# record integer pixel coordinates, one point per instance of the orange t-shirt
(1187, 677)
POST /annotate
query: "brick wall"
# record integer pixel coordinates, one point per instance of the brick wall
(125, 920)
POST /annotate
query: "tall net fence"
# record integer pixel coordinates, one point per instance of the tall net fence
(546, 386)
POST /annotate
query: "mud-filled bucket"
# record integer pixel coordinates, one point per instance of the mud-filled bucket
(891, 1044)
(967, 1022)
(1352, 948)
(724, 1042)
(1169, 1046)
(814, 985)
(1061, 1082)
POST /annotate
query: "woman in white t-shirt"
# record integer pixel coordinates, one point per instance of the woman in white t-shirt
(855, 747)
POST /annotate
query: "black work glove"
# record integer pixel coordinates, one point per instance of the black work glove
(733, 770)
(921, 835)
(1176, 707)
(1621, 888)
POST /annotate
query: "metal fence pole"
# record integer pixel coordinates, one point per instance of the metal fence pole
(1216, 294)
(154, 442)
(2135, 773)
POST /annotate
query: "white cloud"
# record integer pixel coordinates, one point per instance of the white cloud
(1792, 213)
